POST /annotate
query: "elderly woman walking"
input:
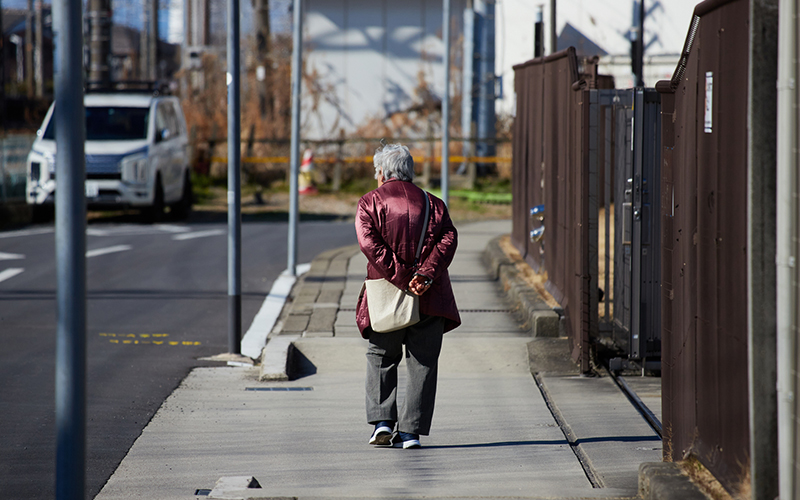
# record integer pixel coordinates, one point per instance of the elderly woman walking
(389, 225)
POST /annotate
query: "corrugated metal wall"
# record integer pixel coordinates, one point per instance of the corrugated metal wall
(704, 238)
(549, 142)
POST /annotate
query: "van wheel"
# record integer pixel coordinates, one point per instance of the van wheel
(155, 212)
(183, 208)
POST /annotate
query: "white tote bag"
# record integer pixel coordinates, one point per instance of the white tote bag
(389, 307)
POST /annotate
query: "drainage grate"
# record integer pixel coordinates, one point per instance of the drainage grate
(202, 492)
(279, 389)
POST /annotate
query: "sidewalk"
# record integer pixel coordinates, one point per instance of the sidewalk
(497, 433)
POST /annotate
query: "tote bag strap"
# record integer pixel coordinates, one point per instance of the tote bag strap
(424, 227)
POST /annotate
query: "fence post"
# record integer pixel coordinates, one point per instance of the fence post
(761, 247)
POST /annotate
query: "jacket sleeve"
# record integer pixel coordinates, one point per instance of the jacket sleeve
(381, 257)
(446, 241)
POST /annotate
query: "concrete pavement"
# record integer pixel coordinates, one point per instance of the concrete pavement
(513, 418)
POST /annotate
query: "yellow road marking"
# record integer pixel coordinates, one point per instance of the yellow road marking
(133, 339)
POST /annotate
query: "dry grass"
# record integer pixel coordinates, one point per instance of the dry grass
(709, 485)
(536, 281)
(601, 260)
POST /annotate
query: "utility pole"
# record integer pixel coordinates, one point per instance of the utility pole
(637, 44)
(148, 52)
(553, 36)
(29, 49)
(538, 33)
(38, 73)
(99, 43)
(263, 63)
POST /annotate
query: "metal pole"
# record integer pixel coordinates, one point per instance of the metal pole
(538, 33)
(294, 165)
(38, 72)
(467, 86)
(446, 105)
(3, 85)
(29, 49)
(70, 385)
(640, 50)
(553, 37)
(786, 247)
(485, 10)
(234, 185)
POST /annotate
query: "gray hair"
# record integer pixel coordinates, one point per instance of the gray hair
(395, 161)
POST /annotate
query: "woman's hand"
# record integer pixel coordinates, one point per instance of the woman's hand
(419, 284)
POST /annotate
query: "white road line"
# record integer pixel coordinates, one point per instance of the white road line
(198, 234)
(256, 337)
(96, 232)
(10, 273)
(103, 251)
(11, 256)
(169, 228)
(26, 232)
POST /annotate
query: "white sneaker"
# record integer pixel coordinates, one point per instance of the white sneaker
(382, 436)
(406, 441)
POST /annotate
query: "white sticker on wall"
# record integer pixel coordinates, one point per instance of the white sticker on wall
(709, 100)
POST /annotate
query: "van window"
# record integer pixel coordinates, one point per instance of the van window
(109, 123)
(167, 120)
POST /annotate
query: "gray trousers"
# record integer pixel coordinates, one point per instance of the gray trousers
(423, 344)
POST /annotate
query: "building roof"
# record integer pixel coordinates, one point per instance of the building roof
(14, 21)
(584, 47)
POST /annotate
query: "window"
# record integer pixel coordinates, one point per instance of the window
(109, 124)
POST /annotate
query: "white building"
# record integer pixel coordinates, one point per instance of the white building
(370, 58)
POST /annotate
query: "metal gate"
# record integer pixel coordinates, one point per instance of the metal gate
(636, 139)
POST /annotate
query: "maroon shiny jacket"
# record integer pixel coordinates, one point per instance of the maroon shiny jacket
(388, 226)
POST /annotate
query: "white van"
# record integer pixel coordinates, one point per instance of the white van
(137, 155)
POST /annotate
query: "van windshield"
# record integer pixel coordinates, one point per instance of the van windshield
(110, 123)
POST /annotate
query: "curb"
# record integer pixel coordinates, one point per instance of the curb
(314, 301)
(310, 311)
(665, 481)
(542, 320)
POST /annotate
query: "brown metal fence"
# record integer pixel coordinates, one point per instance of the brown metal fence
(549, 143)
(704, 239)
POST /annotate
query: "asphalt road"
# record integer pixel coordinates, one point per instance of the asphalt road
(157, 301)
